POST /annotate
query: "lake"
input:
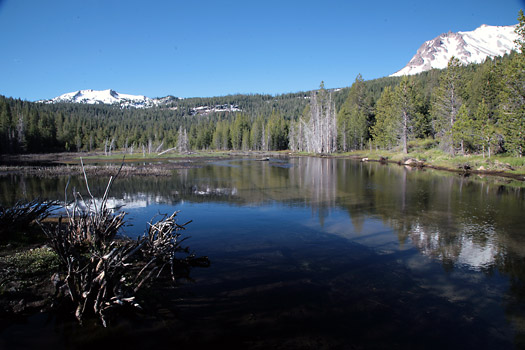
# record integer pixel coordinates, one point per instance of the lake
(316, 253)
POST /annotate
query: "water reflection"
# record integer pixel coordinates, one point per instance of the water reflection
(270, 213)
(456, 220)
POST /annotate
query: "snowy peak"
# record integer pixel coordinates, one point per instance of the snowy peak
(108, 96)
(469, 47)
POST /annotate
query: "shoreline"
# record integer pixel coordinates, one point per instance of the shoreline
(98, 164)
(463, 170)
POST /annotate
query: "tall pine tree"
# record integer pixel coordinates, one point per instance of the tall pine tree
(513, 96)
(446, 103)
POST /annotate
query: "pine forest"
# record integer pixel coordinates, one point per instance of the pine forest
(474, 109)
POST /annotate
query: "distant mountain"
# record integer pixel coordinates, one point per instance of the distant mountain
(469, 47)
(110, 97)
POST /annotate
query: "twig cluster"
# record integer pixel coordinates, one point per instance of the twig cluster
(22, 214)
(103, 271)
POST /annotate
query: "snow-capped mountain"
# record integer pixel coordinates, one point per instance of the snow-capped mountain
(469, 47)
(109, 97)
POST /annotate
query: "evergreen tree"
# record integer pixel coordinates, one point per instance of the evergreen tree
(6, 127)
(384, 131)
(237, 130)
(278, 131)
(256, 134)
(221, 136)
(463, 129)
(487, 132)
(446, 104)
(352, 119)
(407, 102)
(513, 96)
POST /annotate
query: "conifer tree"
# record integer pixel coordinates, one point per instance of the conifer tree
(256, 134)
(352, 119)
(278, 132)
(513, 96)
(6, 127)
(463, 129)
(384, 130)
(406, 101)
(487, 131)
(446, 103)
(237, 130)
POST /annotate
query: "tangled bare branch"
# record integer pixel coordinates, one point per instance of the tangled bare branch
(103, 271)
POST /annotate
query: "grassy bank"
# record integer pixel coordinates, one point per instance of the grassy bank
(430, 156)
(424, 151)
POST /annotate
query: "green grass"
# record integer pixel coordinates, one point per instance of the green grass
(427, 151)
(34, 261)
(27, 269)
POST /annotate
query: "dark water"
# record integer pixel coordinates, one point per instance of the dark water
(317, 253)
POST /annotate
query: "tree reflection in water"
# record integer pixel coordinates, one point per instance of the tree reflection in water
(409, 219)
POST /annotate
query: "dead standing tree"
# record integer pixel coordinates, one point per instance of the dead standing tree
(102, 272)
(318, 133)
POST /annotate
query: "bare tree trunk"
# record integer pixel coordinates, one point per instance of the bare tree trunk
(111, 146)
(159, 148)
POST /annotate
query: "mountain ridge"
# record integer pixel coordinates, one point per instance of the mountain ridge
(109, 97)
(468, 46)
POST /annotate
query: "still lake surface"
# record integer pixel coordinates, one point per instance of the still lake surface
(317, 253)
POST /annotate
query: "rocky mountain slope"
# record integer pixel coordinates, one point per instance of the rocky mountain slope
(469, 47)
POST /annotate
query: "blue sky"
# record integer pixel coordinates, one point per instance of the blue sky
(213, 48)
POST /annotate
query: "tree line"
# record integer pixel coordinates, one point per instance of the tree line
(477, 108)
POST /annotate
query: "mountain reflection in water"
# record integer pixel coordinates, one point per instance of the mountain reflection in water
(333, 252)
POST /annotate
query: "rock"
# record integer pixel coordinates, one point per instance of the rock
(413, 162)
(481, 168)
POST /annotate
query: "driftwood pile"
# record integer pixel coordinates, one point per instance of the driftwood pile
(101, 271)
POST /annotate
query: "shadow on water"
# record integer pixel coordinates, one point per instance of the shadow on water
(318, 253)
(300, 297)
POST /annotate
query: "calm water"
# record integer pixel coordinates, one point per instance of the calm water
(318, 253)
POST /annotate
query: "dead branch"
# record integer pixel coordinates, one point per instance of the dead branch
(102, 271)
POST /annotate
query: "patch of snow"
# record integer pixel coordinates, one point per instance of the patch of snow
(110, 97)
(469, 47)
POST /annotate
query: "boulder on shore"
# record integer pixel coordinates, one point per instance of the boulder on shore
(413, 162)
